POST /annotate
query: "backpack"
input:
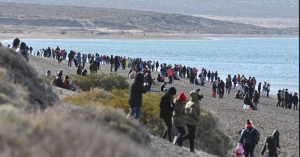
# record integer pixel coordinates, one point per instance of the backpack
(251, 134)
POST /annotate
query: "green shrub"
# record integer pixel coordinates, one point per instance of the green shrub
(102, 80)
(118, 99)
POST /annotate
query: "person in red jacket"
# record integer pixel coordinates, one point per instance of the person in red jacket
(68, 84)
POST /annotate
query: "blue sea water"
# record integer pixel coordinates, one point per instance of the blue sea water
(275, 60)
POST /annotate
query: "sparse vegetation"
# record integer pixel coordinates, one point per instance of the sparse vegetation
(19, 83)
(87, 132)
(105, 81)
(209, 138)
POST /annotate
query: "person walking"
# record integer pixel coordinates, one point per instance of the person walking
(192, 118)
(249, 137)
(278, 98)
(135, 98)
(178, 117)
(259, 87)
(166, 111)
(271, 144)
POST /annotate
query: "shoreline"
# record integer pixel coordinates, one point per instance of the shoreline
(147, 36)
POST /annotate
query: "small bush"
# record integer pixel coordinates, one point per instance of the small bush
(208, 137)
(105, 81)
(118, 99)
(63, 32)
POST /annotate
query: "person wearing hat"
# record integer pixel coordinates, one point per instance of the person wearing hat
(166, 111)
(192, 118)
(178, 117)
(295, 101)
(271, 144)
(249, 137)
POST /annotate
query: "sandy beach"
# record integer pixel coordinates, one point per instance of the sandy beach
(232, 117)
(131, 35)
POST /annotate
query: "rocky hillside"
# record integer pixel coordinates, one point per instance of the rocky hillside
(31, 16)
(233, 8)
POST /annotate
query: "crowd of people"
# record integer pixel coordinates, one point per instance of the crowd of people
(175, 111)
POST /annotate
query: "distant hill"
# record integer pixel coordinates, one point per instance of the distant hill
(120, 19)
(232, 8)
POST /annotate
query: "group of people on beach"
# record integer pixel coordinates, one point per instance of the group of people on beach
(182, 113)
(175, 110)
(286, 99)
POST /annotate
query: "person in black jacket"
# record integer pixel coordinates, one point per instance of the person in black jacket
(255, 99)
(166, 111)
(149, 80)
(278, 98)
(247, 101)
(271, 144)
(249, 137)
(295, 101)
(221, 87)
(112, 62)
(58, 80)
(135, 98)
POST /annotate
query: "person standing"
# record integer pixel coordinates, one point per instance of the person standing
(208, 75)
(157, 65)
(268, 89)
(98, 61)
(166, 111)
(282, 97)
(112, 62)
(135, 98)
(23, 51)
(221, 87)
(295, 101)
(259, 87)
(255, 99)
(178, 117)
(83, 60)
(149, 80)
(271, 144)
(249, 137)
(192, 118)
(286, 98)
(278, 98)
(234, 81)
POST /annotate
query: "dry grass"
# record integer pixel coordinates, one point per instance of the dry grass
(19, 83)
(55, 133)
